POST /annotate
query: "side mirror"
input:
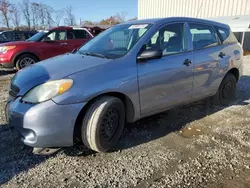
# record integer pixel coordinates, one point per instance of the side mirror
(150, 54)
(46, 39)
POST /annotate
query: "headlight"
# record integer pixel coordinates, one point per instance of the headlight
(4, 49)
(47, 91)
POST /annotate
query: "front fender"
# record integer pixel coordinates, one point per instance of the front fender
(118, 77)
(16, 55)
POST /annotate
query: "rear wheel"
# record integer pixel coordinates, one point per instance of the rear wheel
(226, 90)
(103, 124)
(25, 61)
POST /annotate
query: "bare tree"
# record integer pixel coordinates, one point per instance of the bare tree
(5, 11)
(25, 7)
(132, 19)
(35, 10)
(42, 15)
(59, 14)
(49, 15)
(15, 16)
(69, 17)
(121, 17)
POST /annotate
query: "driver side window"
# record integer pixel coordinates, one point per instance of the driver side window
(170, 39)
(55, 35)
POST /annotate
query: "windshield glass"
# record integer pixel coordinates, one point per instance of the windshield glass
(37, 36)
(116, 41)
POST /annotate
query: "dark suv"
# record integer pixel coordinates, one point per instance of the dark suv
(15, 35)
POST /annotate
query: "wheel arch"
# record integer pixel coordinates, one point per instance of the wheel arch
(23, 53)
(234, 71)
(129, 109)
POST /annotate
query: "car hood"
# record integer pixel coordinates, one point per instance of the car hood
(54, 68)
(15, 43)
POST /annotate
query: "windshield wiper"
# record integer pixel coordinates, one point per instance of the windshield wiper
(94, 54)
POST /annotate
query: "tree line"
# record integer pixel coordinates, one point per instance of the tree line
(33, 15)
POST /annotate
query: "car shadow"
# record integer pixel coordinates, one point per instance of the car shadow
(174, 120)
(7, 72)
(16, 158)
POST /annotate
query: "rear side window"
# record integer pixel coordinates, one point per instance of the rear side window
(227, 36)
(77, 34)
(203, 36)
(9, 36)
(29, 34)
(19, 36)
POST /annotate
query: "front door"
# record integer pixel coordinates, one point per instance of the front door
(167, 81)
(53, 43)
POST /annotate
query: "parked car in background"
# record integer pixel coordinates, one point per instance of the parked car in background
(15, 35)
(95, 30)
(130, 71)
(41, 46)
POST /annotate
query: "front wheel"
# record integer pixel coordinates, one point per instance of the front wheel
(226, 90)
(25, 60)
(103, 124)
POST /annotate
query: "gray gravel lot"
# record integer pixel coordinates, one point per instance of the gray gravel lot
(198, 145)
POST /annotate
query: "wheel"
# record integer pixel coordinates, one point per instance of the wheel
(103, 124)
(25, 61)
(226, 90)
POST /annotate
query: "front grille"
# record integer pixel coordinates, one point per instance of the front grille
(14, 90)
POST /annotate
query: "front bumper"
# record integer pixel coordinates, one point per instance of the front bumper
(8, 66)
(44, 125)
(6, 61)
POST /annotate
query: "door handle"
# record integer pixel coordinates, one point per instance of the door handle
(63, 44)
(187, 62)
(222, 54)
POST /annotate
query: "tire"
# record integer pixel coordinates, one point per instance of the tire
(103, 124)
(25, 60)
(226, 90)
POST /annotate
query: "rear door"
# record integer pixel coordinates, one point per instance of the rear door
(53, 43)
(209, 57)
(77, 37)
(167, 81)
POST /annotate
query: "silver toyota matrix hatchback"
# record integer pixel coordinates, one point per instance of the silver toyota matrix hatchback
(130, 71)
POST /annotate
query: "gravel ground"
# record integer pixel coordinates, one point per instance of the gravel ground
(192, 146)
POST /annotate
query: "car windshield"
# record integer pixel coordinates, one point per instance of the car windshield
(115, 42)
(37, 36)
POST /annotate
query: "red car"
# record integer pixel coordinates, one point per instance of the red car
(43, 45)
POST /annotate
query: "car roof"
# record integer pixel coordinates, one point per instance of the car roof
(176, 19)
(61, 28)
(7, 31)
(24, 31)
(66, 28)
